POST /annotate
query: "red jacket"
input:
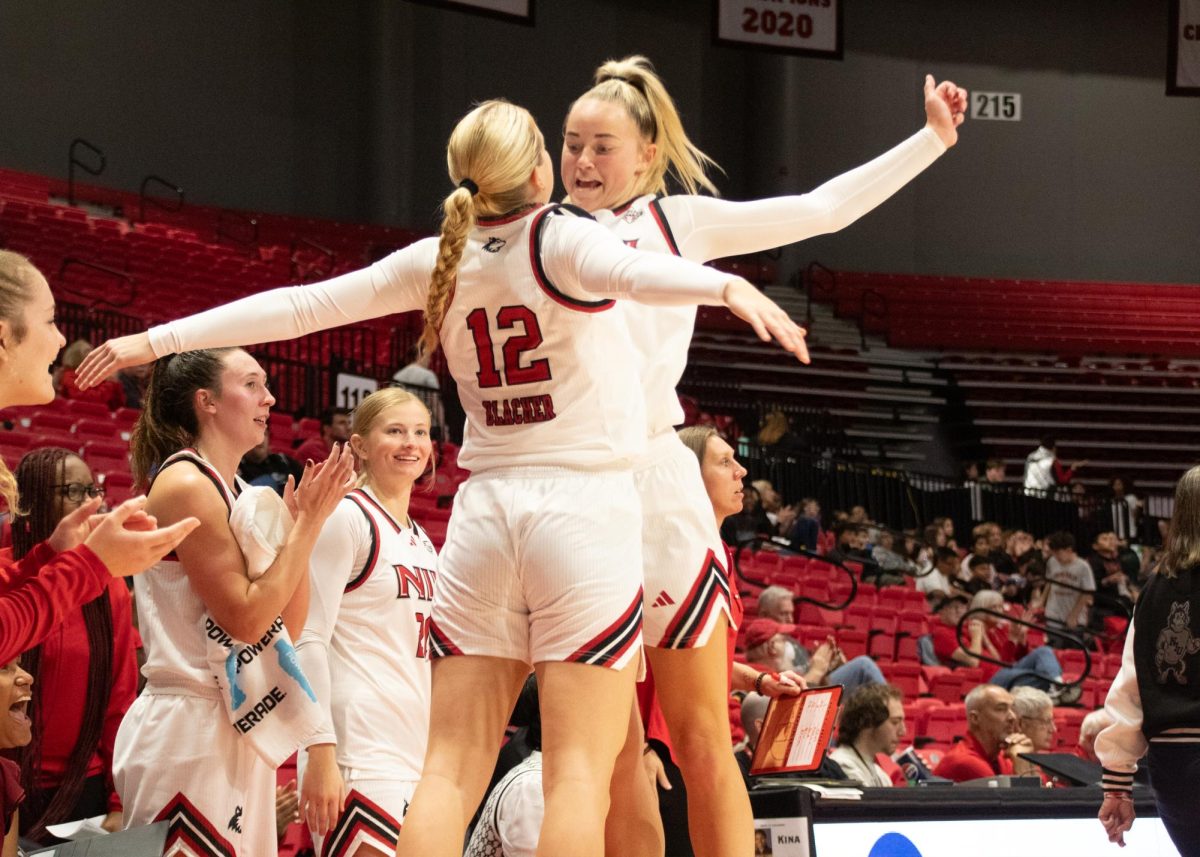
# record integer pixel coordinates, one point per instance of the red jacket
(41, 590)
(968, 761)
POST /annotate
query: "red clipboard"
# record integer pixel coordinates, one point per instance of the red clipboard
(795, 732)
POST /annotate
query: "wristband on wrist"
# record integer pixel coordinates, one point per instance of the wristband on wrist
(1118, 795)
(758, 682)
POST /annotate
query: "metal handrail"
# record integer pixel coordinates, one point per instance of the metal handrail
(297, 243)
(71, 261)
(73, 162)
(143, 196)
(984, 611)
(224, 231)
(799, 599)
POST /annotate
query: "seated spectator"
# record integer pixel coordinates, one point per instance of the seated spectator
(1115, 588)
(935, 536)
(1092, 725)
(999, 640)
(992, 745)
(872, 722)
(947, 527)
(981, 545)
(134, 380)
(108, 392)
(806, 531)
(1070, 585)
(335, 428)
(970, 472)
(260, 466)
(851, 546)
(748, 525)
(858, 515)
(15, 693)
(994, 471)
(885, 556)
(981, 577)
(776, 435)
(769, 499)
(997, 539)
(936, 585)
(1035, 717)
(772, 645)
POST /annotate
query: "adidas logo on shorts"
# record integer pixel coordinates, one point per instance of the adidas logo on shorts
(663, 600)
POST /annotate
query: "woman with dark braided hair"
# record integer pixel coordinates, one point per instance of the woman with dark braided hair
(86, 668)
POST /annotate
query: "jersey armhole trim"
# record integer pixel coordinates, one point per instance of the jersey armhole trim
(660, 218)
(539, 272)
(373, 554)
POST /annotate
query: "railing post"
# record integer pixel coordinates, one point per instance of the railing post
(143, 196)
(73, 162)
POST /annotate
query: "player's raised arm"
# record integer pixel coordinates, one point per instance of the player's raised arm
(395, 284)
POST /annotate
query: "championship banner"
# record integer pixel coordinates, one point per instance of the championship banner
(1183, 48)
(808, 27)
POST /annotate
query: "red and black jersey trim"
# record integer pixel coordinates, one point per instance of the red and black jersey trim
(440, 645)
(710, 587)
(356, 497)
(227, 494)
(661, 219)
(361, 818)
(624, 207)
(188, 827)
(358, 492)
(611, 644)
(539, 272)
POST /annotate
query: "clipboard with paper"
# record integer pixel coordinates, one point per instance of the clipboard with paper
(795, 732)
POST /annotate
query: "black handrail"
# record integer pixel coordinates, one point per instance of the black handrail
(799, 599)
(237, 217)
(878, 309)
(1102, 597)
(73, 162)
(300, 276)
(984, 611)
(71, 261)
(143, 196)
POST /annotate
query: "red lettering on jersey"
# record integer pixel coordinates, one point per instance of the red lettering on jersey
(420, 579)
(519, 411)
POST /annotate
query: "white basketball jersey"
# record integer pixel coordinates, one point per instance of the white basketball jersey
(545, 378)
(170, 613)
(378, 654)
(661, 335)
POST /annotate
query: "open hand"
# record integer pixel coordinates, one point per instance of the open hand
(113, 355)
(766, 317)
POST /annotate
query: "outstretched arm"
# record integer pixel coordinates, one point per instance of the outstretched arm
(708, 228)
(395, 284)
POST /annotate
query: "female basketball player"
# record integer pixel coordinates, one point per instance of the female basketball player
(521, 300)
(620, 140)
(85, 551)
(365, 642)
(177, 756)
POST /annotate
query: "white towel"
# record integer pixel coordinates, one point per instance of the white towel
(270, 701)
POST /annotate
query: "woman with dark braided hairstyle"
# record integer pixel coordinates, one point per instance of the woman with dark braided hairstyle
(86, 667)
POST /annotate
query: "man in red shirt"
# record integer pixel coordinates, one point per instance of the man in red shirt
(993, 744)
(335, 428)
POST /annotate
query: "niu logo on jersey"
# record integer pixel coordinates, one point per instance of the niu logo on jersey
(663, 600)
(493, 245)
(632, 215)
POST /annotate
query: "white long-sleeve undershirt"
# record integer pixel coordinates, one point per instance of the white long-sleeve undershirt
(706, 228)
(581, 258)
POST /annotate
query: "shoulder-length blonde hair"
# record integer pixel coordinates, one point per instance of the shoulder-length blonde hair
(1181, 547)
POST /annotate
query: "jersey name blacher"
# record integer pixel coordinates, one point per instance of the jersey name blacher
(519, 411)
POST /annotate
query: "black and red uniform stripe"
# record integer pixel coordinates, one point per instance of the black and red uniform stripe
(188, 827)
(362, 816)
(539, 272)
(440, 645)
(611, 644)
(661, 219)
(711, 585)
(357, 497)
